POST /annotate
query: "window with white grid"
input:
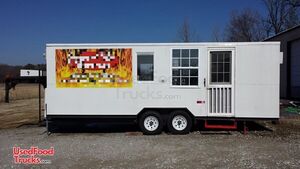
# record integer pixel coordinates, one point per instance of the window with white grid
(185, 67)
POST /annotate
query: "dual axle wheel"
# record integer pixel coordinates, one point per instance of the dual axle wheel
(178, 122)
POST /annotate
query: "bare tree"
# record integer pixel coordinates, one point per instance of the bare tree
(244, 26)
(217, 34)
(281, 15)
(186, 34)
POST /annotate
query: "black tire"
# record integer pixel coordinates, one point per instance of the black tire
(144, 129)
(181, 114)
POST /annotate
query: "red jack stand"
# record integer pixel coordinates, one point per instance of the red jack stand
(218, 126)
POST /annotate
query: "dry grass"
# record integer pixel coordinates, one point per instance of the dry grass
(21, 91)
(23, 106)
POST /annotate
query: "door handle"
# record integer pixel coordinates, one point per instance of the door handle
(204, 82)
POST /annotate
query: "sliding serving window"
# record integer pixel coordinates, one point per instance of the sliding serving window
(185, 67)
(145, 67)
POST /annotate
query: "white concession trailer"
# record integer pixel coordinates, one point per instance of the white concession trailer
(162, 84)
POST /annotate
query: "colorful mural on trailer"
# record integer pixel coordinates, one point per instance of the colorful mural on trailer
(80, 68)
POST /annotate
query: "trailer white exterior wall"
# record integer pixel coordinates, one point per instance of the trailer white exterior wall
(254, 88)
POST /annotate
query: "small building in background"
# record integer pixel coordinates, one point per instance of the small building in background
(290, 69)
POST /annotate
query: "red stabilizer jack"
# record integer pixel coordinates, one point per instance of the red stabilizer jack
(218, 126)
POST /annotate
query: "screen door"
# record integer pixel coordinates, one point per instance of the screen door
(220, 83)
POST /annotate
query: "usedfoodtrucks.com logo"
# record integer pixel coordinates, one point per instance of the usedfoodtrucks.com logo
(32, 155)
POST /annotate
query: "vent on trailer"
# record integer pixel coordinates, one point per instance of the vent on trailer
(220, 101)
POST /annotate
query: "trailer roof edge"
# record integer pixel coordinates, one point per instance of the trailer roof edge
(162, 44)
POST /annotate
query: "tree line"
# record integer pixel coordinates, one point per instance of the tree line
(249, 25)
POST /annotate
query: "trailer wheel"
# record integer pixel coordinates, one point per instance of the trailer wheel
(151, 123)
(179, 122)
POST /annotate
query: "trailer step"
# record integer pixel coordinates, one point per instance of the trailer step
(220, 126)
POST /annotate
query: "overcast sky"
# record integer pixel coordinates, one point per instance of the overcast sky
(27, 25)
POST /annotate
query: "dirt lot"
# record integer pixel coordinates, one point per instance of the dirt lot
(123, 146)
(19, 112)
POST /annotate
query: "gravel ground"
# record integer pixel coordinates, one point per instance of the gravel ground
(257, 149)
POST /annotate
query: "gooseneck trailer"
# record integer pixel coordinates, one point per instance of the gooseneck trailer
(158, 84)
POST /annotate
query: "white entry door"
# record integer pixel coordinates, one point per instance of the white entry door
(220, 83)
